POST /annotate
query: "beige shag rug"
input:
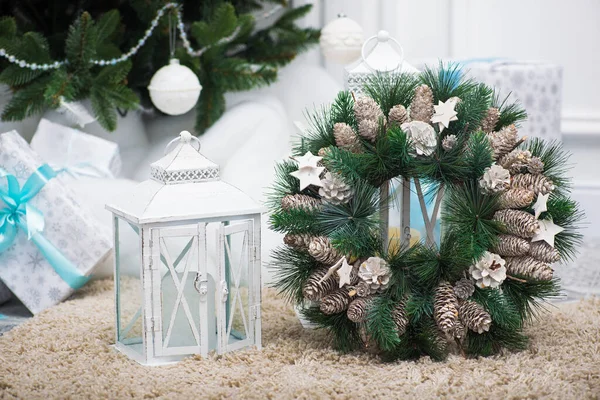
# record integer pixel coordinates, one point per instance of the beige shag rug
(65, 353)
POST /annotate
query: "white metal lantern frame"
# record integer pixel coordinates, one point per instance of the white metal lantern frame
(385, 55)
(205, 284)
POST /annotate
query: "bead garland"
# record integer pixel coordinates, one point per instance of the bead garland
(140, 43)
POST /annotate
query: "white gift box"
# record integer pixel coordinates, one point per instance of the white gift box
(76, 152)
(536, 85)
(71, 233)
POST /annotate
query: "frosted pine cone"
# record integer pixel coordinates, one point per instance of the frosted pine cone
(323, 152)
(516, 161)
(366, 109)
(400, 318)
(475, 317)
(503, 141)
(511, 246)
(368, 129)
(363, 289)
(314, 289)
(489, 270)
(516, 222)
(460, 330)
(539, 184)
(320, 249)
(346, 138)
(516, 198)
(357, 310)
(398, 115)
(335, 190)
(335, 302)
(375, 272)
(464, 288)
(529, 267)
(300, 201)
(542, 251)
(298, 241)
(495, 179)
(445, 307)
(536, 166)
(490, 120)
(449, 142)
(421, 108)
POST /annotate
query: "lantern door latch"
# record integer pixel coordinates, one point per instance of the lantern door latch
(224, 291)
(201, 286)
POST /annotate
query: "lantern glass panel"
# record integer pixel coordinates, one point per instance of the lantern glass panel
(129, 293)
(180, 264)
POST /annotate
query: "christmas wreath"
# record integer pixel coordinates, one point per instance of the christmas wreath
(505, 218)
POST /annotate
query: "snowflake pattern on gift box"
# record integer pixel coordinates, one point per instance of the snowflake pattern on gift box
(33, 297)
(41, 280)
(56, 227)
(54, 294)
(83, 257)
(62, 243)
(35, 261)
(22, 171)
(76, 233)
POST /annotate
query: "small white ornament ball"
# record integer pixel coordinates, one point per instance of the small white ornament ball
(341, 40)
(174, 89)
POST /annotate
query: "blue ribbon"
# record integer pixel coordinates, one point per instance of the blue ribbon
(19, 214)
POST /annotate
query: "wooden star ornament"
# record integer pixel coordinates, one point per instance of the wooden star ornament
(541, 204)
(444, 114)
(308, 171)
(547, 230)
(344, 273)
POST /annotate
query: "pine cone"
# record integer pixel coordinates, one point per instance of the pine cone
(464, 288)
(335, 190)
(300, 201)
(511, 246)
(398, 115)
(539, 184)
(314, 289)
(536, 166)
(516, 198)
(298, 241)
(368, 129)
(445, 311)
(460, 330)
(357, 310)
(516, 161)
(363, 289)
(503, 141)
(400, 318)
(449, 142)
(421, 108)
(335, 302)
(542, 251)
(366, 109)
(517, 222)
(323, 152)
(322, 250)
(529, 267)
(346, 138)
(488, 124)
(475, 317)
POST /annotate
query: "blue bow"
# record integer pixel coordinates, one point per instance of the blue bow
(19, 214)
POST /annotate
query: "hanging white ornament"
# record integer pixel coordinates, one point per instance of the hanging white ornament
(541, 204)
(341, 40)
(174, 89)
(308, 170)
(444, 114)
(547, 230)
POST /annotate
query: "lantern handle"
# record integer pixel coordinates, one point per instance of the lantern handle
(185, 137)
(382, 36)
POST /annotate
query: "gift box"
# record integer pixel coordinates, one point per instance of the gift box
(536, 85)
(75, 152)
(49, 244)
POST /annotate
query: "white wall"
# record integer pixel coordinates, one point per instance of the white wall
(566, 32)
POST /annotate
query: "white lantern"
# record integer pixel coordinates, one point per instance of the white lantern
(385, 56)
(341, 40)
(174, 89)
(197, 243)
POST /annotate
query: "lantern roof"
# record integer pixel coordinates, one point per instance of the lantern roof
(385, 56)
(184, 185)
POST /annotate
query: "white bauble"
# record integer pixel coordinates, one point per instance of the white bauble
(341, 40)
(174, 89)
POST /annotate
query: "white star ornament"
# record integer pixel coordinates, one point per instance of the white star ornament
(547, 231)
(444, 114)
